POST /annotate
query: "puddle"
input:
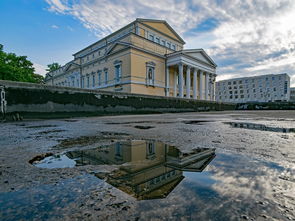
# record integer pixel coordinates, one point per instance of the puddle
(41, 126)
(253, 126)
(154, 180)
(143, 127)
(147, 169)
(197, 122)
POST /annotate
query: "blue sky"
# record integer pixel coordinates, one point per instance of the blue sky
(244, 37)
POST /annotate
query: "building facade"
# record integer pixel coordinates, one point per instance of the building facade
(265, 88)
(144, 57)
(292, 94)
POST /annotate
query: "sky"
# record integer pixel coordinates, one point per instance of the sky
(243, 37)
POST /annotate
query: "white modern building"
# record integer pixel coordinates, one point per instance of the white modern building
(264, 88)
(292, 94)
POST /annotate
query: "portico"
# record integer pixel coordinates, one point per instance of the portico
(190, 74)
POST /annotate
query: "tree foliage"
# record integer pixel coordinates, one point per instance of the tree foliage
(17, 68)
(52, 67)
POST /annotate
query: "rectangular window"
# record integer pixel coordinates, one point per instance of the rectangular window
(77, 82)
(93, 80)
(118, 73)
(168, 45)
(229, 83)
(158, 40)
(99, 77)
(163, 42)
(88, 82)
(151, 37)
(106, 76)
(82, 82)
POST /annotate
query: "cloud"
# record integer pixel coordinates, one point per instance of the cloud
(54, 26)
(243, 37)
(40, 69)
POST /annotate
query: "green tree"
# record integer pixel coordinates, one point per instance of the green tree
(17, 68)
(52, 67)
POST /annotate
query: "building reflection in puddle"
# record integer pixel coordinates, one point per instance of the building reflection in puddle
(253, 126)
(147, 169)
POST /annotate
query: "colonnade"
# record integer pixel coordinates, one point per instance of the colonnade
(202, 89)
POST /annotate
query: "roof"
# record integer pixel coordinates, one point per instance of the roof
(143, 20)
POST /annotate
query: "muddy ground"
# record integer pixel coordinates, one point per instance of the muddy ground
(28, 192)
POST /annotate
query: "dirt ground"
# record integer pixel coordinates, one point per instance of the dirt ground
(77, 194)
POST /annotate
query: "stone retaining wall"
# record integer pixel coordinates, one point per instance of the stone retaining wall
(44, 101)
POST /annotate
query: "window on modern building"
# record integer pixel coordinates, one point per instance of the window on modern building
(236, 92)
(266, 79)
(229, 87)
(241, 91)
(236, 96)
(241, 86)
(106, 76)
(230, 92)
(230, 97)
(234, 82)
(235, 87)
(229, 83)
(254, 90)
(240, 82)
(242, 96)
(118, 70)
(150, 73)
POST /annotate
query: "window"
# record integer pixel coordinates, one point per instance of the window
(173, 47)
(168, 45)
(158, 40)
(240, 82)
(77, 82)
(99, 77)
(106, 76)
(82, 82)
(150, 73)
(88, 85)
(150, 150)
(229, 83)
(93, 80)
(234, 82)
(118, 70)
(241, 91)
(151, 37)
(163, 42)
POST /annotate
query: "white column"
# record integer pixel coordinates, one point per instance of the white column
(213, 88)
(201, 86)
(175, 83)
(206, 86)
(180, 83)
(195, 84)
(188, 82)
(167, 81)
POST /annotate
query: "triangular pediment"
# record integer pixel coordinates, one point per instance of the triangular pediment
(199, 54)
(117, 47)
(162, 26)
(70, 66)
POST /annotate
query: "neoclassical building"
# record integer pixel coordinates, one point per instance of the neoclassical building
(144, 57)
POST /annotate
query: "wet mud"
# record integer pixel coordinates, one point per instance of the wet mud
(100, 169)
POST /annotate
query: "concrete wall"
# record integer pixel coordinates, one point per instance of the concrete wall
(38, 101)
